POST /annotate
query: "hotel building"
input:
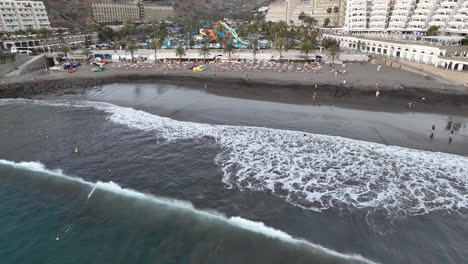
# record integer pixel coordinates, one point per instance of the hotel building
(140, 12)
(326, 12)
(409, 16)
(22, 15)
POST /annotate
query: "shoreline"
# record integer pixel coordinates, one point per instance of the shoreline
(291, 90)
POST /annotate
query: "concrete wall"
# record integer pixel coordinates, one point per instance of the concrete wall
(426, 69)
(9, 65)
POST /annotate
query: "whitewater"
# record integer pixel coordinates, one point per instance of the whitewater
(314, 172)
(237, 222)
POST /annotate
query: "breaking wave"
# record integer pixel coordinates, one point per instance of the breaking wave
(315, 172)
(327, 255)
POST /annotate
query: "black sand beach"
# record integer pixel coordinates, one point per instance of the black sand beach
(354, 173)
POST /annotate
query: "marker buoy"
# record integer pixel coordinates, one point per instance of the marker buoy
(57, 238)
(76, 150)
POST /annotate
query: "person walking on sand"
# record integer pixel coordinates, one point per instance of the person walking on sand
(432, 131)
(451, 136)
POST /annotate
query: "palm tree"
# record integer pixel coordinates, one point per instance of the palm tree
(329, 11)
(336, 10)
(302, 16)
(204, 51)
(254, 43)
(65, 49)
(280, 44)
(229, 48)
(328, 42)
(122, 45)
(156, 44)
(131, 47)
(86, 52)
(334, 52)
(306, 48)
(310, 22)
(180, 52)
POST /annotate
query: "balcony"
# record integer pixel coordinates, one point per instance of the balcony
(458, 23)
(437, 23)
(440, 17)
(448, 3)
(399, 16)
(419, 17)
(396, 24)
(417, 23)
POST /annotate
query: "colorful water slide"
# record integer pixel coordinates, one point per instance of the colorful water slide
(210, 32)
(234, 34)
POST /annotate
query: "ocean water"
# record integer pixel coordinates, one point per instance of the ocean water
(60, 219)
(113, 200)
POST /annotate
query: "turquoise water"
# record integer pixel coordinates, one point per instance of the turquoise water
(49, 218)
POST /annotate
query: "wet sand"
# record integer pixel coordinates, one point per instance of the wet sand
(289, 87)
(403, 128)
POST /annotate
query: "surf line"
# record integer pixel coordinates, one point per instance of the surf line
(69, 226)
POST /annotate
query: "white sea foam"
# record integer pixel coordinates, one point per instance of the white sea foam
(255, 227)
(317, 172)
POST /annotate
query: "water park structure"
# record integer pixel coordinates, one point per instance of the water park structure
(212, 31)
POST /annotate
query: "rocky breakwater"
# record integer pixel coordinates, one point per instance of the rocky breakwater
(42, 87)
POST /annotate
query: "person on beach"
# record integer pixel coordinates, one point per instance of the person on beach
(314, 97)
(451, 136)
(432, 131)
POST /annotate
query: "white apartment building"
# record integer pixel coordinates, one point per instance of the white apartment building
(444, 13)
(422, 15)
(453, 58)
(278, 11)
(399, 18)
(407, 15)
(379, 15)
(116, 13)
(303, 6)
(459, 23)
(357, 14)
(22, 15)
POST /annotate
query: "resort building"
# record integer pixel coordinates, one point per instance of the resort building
(330, 12)
(453, 58)
(379, 15)
(399, 18)
(22, 15)
(278, 11)
(140, 12)
(459, 22)
(409, 16)
(39, 43)
(281, 10)
(357, 14)
(326, 12)
(303, 6)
